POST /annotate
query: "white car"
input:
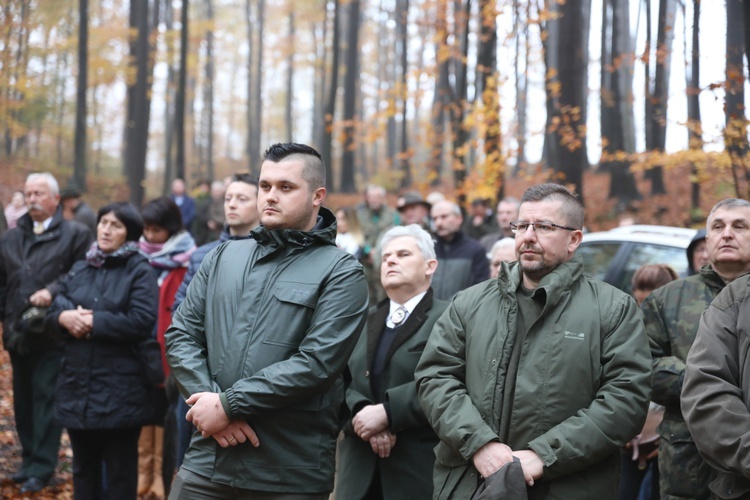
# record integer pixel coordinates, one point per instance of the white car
(613, 256)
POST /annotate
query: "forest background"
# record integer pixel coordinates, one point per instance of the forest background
(475, 98)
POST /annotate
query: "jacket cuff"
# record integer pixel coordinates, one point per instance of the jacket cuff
(541, 447)
(387, 408)
(225, 404)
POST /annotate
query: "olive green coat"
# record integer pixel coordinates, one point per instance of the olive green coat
(582, 387)
(269, 323)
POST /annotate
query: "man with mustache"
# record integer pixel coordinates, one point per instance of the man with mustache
(260, 343)
(33, 257)
(672, 314)
(541, 374)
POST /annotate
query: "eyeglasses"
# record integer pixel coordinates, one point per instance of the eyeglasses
(539, 227)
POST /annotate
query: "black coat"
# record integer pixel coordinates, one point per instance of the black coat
(29, 263)
(101, 384)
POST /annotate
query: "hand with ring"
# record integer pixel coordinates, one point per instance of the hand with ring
(237, 432)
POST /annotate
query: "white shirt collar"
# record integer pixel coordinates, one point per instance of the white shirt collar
(409, 305)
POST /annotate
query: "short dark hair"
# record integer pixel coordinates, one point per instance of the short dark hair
(314, 171)
(163, 212)
(571, 206)
(128, 215)
(244, 177)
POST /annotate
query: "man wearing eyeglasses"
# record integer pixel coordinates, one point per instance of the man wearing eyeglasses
(543, 372)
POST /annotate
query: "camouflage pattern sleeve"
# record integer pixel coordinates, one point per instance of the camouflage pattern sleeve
(668, 369)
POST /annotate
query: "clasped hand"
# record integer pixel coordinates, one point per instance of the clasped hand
(491, 457)
(79, 322)
(209, 417)
(371, 425)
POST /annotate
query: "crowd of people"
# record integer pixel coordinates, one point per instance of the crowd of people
(251, 343)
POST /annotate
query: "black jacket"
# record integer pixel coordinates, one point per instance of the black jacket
(29, 263)
(101, 384)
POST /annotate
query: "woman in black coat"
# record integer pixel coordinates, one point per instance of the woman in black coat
(106, 306)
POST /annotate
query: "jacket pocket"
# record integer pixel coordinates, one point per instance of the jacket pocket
(290, 313)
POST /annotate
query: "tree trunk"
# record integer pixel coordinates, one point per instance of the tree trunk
(695, 127)
(616, 109)
(441, 96)
(79, 162)
(521, 81)
(402, 22)
(351, 93)
(139, 101)
(252, 160)
(321, 53)
(458, 100)
(179, 113)
(656, 140)
(290, 81)
(735, 132)
(209, 92)
(568, 58)
(169, 103)
(329, 112)
(257, 104)
(487, 88)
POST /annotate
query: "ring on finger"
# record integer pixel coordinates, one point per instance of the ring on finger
(232, 439)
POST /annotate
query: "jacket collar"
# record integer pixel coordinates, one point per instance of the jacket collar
(376, 325)
(27, 225)
(556, 284)
(711, 278)
(324, 233)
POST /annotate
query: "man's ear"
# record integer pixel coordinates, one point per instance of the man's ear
(575, 240)
(318, 196)
(431, 266)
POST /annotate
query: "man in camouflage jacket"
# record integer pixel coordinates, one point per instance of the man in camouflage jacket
(672, 314)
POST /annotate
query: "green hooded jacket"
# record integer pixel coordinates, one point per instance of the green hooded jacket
(716, 393)
(269, 323)
(581, 392)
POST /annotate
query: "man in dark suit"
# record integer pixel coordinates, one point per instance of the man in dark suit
(387, 447)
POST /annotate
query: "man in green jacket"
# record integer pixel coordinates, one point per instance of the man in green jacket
(716, 395)
(259, 345)
(543, 364)
(672, 314)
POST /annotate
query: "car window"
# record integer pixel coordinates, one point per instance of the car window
(642, 254)
(597, 257)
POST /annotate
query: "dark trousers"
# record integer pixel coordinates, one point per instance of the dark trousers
(190, 486)
(34, 379)
(115, 449)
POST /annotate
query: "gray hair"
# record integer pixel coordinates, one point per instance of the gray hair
(425, 243)
(727, 203)
(455, 209)
(502, 243)
(510, 199)
(374, 188)
(54, 188)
